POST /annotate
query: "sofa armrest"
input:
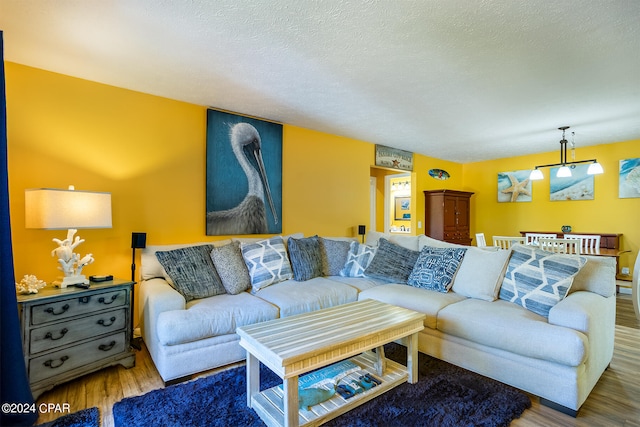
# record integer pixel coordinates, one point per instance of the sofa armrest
(584, 311)
(156, 296)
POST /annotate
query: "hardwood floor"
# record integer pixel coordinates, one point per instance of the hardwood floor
(615, 400)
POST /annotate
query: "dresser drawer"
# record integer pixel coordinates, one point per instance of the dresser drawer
(61, 361)
(67, 332)
(63, 309)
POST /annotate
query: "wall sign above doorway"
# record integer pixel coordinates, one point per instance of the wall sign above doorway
(394, 158)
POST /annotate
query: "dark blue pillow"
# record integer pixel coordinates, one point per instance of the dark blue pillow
(392, 263)
(306, 258)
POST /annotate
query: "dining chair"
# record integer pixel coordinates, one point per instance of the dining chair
(560, 246)
(635, 292)
(532, 238)
(588, 243)
(505, 242)
(480, 240)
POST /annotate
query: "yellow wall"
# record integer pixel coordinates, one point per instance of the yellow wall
(605, 214)
(149, 152)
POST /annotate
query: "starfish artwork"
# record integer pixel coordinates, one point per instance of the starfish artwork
(516, 188)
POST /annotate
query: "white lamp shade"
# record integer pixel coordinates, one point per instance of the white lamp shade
(54, 209)
(536, 175)
(595, 169)
(564, 172)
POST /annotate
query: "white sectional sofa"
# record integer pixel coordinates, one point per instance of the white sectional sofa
(557, 354)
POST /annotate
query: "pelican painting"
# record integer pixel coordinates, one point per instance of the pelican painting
(242, 177)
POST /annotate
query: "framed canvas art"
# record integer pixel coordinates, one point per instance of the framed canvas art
(629, 178)
(578, 186)
(514, 186)
(243, 176)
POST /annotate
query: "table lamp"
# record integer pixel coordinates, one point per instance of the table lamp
(56, 209)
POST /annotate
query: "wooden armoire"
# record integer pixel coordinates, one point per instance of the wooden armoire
(447, 215)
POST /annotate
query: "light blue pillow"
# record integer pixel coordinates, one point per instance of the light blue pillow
(537, 280)
(358, 260)
(436, 268)
(267, 262)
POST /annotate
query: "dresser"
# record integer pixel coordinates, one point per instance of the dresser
(67, 333)
(448, 215)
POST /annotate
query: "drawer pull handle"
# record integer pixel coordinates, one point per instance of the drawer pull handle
(51, 310)
(105, 347)
(50, 335)
(101, 321)
(50, 363)
(113, 298)
(84, 300)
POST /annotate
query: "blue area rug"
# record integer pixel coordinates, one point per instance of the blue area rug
(85, 418)
(445, 395)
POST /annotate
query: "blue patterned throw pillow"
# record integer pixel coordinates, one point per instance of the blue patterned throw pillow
(358, 260)
(537, 280)
(436, 268)
(267, 262)
(392, 263)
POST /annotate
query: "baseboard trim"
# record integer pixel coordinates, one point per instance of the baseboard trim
(558, 407)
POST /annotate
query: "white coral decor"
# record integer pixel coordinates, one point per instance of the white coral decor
(30, 284)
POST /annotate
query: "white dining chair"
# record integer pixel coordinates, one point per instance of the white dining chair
(635, 292)
(505, 242)
(532, 238)
(560, 246)
(588, 243)
(480, 240)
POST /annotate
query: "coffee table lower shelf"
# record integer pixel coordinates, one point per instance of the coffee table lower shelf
(269, 404)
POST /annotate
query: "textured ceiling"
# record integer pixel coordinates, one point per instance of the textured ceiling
(454, 79)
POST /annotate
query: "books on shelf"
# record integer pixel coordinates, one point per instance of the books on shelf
(327, 375)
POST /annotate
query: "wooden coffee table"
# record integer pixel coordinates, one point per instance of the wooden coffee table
(295, 345)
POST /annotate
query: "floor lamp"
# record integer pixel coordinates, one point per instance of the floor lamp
(138, 241)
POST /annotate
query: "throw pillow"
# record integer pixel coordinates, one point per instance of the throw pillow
(538, 280)
(267, 262)
(191, 271)
(480, 274)
(334, 255)
(358, 260)
(392, 263)
(306, 259)
(435, 268)
(231, 268)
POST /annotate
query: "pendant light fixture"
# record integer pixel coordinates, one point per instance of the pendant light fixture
(564, 171)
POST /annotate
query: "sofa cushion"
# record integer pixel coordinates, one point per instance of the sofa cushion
(436, 268)
(597, 275)
(480, 274)
(422, 300)
(358, 260)
(293, 297)
(267, 262)
(334, 255)
(509, 327)
(191, 272)
(360, 283)
(210, 317)
(538, 280)
(231, 268)
(392, 262)
(306, 258)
